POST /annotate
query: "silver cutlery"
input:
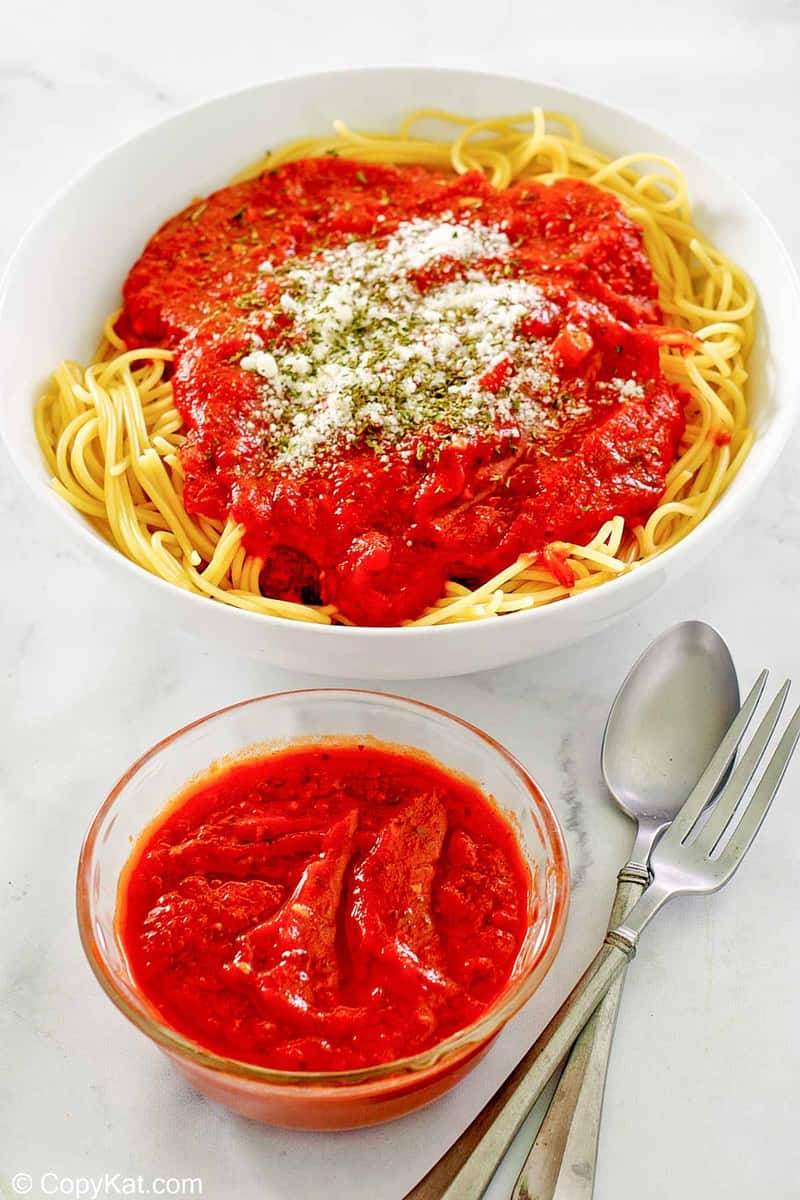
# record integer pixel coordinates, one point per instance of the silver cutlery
(669, 716)
(694, 856)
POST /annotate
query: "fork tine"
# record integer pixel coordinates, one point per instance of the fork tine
(714, 773)
(724, 809)
(757, 807)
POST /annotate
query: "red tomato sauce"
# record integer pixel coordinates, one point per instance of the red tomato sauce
(326, 907)
(377, 531)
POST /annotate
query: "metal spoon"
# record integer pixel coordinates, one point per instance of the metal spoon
(667, 720)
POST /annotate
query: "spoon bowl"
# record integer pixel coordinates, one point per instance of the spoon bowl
(670, 714)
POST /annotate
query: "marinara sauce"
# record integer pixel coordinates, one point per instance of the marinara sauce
(392, 376)
(326, 907)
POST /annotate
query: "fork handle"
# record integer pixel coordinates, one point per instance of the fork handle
(562, 1161)
(465, 1170)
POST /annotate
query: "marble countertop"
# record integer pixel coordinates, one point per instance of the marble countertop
(702, 1091)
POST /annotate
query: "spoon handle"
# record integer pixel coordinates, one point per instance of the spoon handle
(465, 1170)
(562, 1161)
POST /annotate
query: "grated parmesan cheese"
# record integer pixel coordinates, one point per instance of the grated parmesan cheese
(628, 389)
(374, 358)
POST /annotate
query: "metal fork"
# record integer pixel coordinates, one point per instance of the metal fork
(694, 856)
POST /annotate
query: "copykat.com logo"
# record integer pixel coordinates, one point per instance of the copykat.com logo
(94, 1187)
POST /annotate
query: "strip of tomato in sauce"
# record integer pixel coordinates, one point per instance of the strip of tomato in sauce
(375, 527)
(325, 907)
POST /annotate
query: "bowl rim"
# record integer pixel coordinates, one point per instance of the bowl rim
(458, 1044)
(771, 442)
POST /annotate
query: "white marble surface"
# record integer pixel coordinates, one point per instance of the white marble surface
(702, 1096)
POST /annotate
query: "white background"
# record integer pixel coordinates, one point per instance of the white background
(702, 1095)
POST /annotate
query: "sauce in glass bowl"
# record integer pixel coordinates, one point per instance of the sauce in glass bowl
(326, 907)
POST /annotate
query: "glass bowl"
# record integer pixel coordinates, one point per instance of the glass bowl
(309, 1099)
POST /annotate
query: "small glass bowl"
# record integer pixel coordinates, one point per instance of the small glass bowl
(315, 1099)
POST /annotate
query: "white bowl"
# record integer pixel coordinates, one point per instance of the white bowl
(67, 272)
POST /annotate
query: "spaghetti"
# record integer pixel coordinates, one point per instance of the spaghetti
(112, 435)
